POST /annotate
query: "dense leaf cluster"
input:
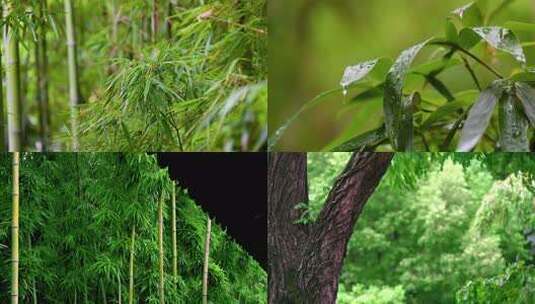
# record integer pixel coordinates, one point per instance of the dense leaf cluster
(77, 216)
(421, 112)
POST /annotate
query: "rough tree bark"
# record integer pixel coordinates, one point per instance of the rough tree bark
(305, 260)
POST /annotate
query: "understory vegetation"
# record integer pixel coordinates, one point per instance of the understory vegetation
(160, 75)
(440, 228)
(111, 228)
(422, 110)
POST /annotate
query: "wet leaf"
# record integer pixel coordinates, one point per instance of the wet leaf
(502, 39)
(470, 14)
(363, 141)
(393, 96)
(376, 69)
(513, 126)
(479, 117)
(526, 95)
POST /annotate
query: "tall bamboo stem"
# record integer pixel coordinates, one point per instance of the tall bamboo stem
(131, 270)
(11, 49)
(119, 298)
(41, 63)
(160, 246)
(15, 232)
(2, 121)
(206, 261)
(74, 91)
(173, 227)
(154, 21)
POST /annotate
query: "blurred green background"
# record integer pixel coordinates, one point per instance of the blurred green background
(312, 41)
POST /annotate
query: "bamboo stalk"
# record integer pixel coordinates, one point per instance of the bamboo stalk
(170, 12)
(41, 62)
(119, 299)
(2, 121)
(160, 246)
(173, 227)
(154, 21)
(15, 232)
(11, 49)
(206, 261)
(131, 270)
(74, 92)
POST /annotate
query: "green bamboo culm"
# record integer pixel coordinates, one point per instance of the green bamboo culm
(41, 65)
(173, 229)
(11, 49)
(15, 232)
(131, 268)
(74, 91)
(206, 261)
(2, 122)
(161, 286)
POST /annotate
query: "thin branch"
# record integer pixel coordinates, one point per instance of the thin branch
(472, 73)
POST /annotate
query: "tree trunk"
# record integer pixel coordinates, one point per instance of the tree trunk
(41, 62)
(206, 261)
(15, 232)
(173, 228)
(170, 12)
(305, 260)
(11, 49)
(161, 286)
(74, 91)
(131, 269)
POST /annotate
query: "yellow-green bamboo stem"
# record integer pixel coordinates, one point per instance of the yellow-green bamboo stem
(206, 261)
(74, 91)
(131, 270)
(11, 49)
(2, 121)
(173, 227)
(41, 63)
(15, 232)
(160, 246)
(119, 298)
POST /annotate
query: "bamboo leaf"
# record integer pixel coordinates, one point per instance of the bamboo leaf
(479, 117)
(513, 126)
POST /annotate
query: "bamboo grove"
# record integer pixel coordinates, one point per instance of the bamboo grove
(134, 75)
(112, 228)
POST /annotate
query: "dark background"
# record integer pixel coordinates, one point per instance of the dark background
(231, 188)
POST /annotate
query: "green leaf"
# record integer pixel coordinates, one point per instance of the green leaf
(513, 126)
(363, 141)
(451, 32)
(526, 95)
(479, 117)
(394, 105)
(376, 69)
(520, 26)
(502, 39)
(445, 111)
(470, 14)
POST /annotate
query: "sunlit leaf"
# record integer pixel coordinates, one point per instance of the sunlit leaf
(526, 95)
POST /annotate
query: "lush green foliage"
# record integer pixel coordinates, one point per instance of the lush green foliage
(435, 223)
(422, 112)
(154, 75)
(77, 214)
